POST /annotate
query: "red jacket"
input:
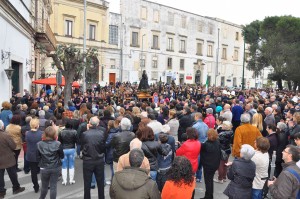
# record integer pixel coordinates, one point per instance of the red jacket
(210, 121)
(191, 150)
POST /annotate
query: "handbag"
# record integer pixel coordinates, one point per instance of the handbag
(224, 155)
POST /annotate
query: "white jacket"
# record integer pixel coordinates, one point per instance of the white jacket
(261, 161)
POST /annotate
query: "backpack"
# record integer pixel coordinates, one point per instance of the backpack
(292, 171)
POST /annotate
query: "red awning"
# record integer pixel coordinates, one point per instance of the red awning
(52, 81)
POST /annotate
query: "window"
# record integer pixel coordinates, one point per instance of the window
(144, 13)
(222, 81)
(154, 75)
(69, 28)
(181, 64)
(199, 49)
(200, 26)
(236, 54)
(234, 82)
(113, 35)
(182, 46)
(208, 80)
(134, 39)
(210, 50)
(210, 29)
(171, 19)
(183, 22)
(170, 44)
(169, 63)
(237, 36)
(143, 61)
(92, 32)
(156, 16)
(155, 42)
(154, 62)
(224, 52)
(112, 63)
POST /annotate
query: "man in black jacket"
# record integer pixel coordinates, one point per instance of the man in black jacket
(120, 142)
(93, 149)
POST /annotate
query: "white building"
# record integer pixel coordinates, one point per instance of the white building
(174, 44)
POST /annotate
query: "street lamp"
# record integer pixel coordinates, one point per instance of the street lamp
(9, 72)
(142, 63)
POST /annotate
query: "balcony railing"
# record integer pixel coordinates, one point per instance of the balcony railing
(45, 34)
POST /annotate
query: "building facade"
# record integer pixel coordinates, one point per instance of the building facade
(172, 44)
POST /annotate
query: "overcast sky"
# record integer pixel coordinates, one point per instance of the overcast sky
(236, 11)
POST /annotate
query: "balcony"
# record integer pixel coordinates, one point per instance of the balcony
(44, 35)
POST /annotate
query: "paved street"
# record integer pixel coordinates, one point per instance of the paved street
(76, 191)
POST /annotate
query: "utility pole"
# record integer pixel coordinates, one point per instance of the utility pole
(84, 48)
(243, 76)
(217, 59)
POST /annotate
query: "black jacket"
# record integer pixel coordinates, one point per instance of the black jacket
(151, 150)
(120, 143)
(93, 144)
(184, 122)
(49, 154)
(68, 138)
(210, 154)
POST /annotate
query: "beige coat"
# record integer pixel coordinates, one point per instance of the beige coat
(124, 162)
(15, 133)
(261, 161)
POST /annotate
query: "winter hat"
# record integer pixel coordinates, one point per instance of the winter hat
(219, 109)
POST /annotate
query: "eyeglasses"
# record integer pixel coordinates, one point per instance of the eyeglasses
(286, 151)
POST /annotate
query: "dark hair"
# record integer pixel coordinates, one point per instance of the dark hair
(221, 118)
(272, 127)
(181, 171)
(297, 136)
(136, 157)
(106, 113)
(262, 144)
(16, 119)
(187, 110)
(163, 137)
(192, 133)
(295, 152)
(151, 116)
(292, 111)
(212, 135)
(145, 133)
(68, 123)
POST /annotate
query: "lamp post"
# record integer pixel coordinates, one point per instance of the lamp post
(142, 63)
(243, 75)
(9, 71)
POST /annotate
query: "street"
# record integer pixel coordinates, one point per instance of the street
(75, 191)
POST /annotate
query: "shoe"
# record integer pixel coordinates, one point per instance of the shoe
(218, 181)
(36, 189)
(2, 194)
(18, 170)
(64, 175)
(224, 180)
(19, 190)
(71, 176)
(93, 187)
(26, 172)
(198, 180)
(108, 182)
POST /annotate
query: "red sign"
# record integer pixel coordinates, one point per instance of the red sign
(189, 77)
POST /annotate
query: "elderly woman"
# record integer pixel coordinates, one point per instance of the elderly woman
(261, 160)
(241, 173)
(225, 135)
(14, 131)
(282, 143)
(181, 180)
(6, 113)
(173, 123)
(210, 160)
(32, 137)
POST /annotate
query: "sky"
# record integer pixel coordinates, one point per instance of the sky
(240, 12)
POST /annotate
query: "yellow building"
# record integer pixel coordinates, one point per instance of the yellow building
(67, 24)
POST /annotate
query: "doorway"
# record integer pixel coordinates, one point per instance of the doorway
(112, 78)
(15, 80)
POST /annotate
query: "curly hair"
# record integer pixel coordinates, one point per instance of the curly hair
(6, 105)
(181, 171)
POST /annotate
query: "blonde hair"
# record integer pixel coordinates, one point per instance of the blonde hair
(257, 121)
(136, 111)
(34, 123)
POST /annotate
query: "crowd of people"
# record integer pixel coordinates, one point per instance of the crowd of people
(159, 148)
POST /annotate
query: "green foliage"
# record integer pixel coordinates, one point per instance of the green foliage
(275, 42)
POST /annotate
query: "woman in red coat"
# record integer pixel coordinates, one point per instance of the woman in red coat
(191, 148)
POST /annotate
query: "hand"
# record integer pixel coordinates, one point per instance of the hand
(228, 164)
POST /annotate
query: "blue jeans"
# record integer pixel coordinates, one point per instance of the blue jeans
(256, 193)
(153, 175)
(69, 158)
(78, 149)
(199, 170)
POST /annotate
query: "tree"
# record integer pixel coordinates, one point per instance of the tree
(71, 61)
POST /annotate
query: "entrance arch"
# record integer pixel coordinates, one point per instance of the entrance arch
(197, 77)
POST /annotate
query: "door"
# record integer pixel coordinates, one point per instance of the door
(15, 81)
(112, 78)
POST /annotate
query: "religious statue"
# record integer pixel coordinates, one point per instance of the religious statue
(144, 82)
